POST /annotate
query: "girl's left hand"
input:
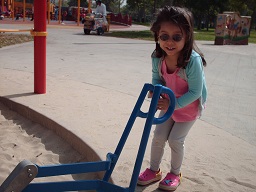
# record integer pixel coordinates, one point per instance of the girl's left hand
(163, 103)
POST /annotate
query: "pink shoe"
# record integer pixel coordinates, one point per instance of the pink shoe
(170, 182)
(149, 176)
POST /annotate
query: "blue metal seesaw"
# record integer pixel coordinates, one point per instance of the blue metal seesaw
(20, 178)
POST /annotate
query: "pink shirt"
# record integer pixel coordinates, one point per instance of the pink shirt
(179, 87)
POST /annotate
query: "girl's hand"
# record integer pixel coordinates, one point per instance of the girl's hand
(163, 103)
(150, 94)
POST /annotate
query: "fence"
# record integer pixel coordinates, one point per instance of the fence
(120, 19)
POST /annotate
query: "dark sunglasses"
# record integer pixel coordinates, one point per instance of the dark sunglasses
(175, 37)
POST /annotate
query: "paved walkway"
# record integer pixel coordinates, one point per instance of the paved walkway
(95, 80)
(68, 24)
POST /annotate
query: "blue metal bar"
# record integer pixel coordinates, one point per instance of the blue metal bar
(98, 185)
(108, 187)
(75, 168)
(151, 120)
(63, 186)
(128, 128)
(157, 90)
(109, 164)
(171, 107)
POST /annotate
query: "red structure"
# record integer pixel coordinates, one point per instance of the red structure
(40, 46)
(120, 19)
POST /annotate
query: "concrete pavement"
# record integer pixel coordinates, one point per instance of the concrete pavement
(95, 80)
(66, 24)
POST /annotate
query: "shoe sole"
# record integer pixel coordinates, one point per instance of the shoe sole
(157, 178)
(167, 188)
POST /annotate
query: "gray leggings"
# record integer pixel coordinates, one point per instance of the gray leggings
(175, 133)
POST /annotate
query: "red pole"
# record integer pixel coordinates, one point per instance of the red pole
(40, 46)
(78, 12)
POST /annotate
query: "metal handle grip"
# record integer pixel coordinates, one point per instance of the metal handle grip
(157, 91)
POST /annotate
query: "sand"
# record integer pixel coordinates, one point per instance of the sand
(23, 139)
(214, 160)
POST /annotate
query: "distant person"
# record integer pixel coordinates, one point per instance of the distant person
(32, 16)
(63, 16)
(17, 16)
(56, 13)
(178, 64)
(101, 8)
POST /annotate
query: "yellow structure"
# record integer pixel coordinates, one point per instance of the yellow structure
(24, 8)
(232, 29)
(89, 6)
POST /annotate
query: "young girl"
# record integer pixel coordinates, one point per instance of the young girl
(177, 64)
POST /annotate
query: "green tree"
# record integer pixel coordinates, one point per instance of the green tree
(141, 9)
(245, 8)
(115, 6)
(251, 4)
(203, 10)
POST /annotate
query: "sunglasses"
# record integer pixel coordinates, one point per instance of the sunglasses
(175, 37)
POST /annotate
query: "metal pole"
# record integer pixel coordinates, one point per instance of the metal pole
(89, 6)
(40, 46)
(2, 7)
(59, 11)
(12, 9)
(78, 13)
(24, 10)
(9, 5)
(48, 11)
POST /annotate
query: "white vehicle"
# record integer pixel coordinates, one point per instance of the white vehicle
(94, 22)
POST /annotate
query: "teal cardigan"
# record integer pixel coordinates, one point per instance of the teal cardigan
(193, 74)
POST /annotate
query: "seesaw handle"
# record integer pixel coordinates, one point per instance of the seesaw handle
(157, 91)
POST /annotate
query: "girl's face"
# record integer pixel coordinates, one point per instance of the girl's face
(171, 38)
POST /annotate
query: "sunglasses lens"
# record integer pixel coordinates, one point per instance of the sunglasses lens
(164, 37)
(177, 37)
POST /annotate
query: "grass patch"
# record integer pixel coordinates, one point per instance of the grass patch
(252, 38)
(200, 35)
(204, 35)
(144, 35)
(7, 39)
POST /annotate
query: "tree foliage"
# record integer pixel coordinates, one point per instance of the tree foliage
(203, 10)
(83, 3)
(115, 6)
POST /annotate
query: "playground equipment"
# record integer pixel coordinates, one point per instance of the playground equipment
(20, 178)
(232, 29)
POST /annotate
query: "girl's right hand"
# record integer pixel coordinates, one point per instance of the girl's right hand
(150, 94)
(163, 102)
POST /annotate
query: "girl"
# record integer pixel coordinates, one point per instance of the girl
(177, 64)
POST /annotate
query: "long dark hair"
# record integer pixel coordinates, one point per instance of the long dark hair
(183, 18)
